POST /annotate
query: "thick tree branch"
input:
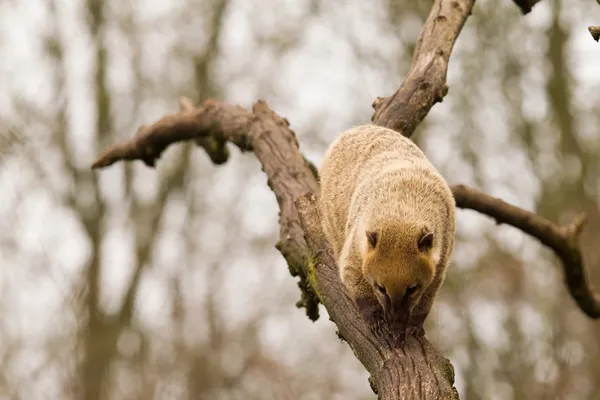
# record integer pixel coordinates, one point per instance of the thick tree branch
(561, 239)
(413, 370)
(261, 130)
(425, 83)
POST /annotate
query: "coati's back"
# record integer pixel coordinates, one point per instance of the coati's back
(362, 158)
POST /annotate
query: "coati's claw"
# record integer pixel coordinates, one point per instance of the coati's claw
(372, 322)
(381, 327)
(376, 326)
(401, 329)
(415, 326)
(416, 331)
(371, 312)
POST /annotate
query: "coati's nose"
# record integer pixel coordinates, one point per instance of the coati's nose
(401, 304)
(399, 312)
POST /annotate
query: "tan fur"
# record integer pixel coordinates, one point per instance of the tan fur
(373, 179)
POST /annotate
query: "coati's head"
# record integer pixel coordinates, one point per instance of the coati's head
(398, 263)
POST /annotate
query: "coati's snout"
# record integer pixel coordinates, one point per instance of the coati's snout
(397, 274)
(397, 299)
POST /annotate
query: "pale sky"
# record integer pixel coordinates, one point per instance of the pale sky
(317, 79)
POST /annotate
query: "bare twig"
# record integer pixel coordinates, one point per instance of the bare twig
(595, 32)
(191, 123)
(425, 83)
(563, 240)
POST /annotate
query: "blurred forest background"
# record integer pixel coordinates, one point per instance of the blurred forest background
(133, 283)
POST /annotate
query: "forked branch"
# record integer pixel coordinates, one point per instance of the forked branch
(213, 125)
(416, 368)
(413, 370)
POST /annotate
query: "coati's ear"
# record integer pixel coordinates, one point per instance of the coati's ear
(426, 241)
(372, 238)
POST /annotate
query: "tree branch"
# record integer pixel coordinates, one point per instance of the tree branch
(412, 370)
(595, 32)
(212, 120)
(561, 239)
(425, 83)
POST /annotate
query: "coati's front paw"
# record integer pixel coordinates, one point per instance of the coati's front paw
(397, 327)
(415, 326)
(372, 313)
(416, 331)
(401, 329)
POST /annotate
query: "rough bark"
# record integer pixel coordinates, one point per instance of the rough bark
(412, 370)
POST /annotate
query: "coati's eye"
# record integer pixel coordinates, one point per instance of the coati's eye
(381, 289)
(411, 290)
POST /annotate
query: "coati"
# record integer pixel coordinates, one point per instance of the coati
(390, 218)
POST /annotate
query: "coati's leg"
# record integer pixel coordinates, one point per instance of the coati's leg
(421, 310)
(362, 295)
(358, 288)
